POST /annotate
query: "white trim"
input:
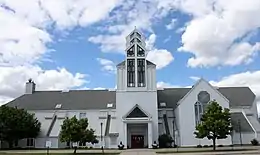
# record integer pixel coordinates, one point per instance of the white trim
(249, 123)
(197, 83)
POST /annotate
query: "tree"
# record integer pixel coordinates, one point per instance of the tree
(16, 124)
(215, 123)
(74, 130)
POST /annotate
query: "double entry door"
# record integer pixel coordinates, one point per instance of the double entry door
(137, 141)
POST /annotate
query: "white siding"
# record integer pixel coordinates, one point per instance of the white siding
(127, 100)
(187, 115)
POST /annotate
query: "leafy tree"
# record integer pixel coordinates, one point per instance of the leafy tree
(74, 130)
(215, 123)
(16, 124)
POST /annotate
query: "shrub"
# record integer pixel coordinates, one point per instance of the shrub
(220, 145)
(199, 146)
(254, 142)
(205, 146)
(165, 141)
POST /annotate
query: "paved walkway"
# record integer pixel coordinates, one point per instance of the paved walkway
(138, 152)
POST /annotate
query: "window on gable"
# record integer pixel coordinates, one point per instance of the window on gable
(204, 98)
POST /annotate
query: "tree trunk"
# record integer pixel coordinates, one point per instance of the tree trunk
(10, 143)
(75, 150)
(214, 143)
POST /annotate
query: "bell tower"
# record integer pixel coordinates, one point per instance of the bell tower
(135, 60)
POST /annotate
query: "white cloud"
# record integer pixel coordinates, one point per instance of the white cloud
(20, 43)
(107, 65)
(12, 80)
(162, 84)
(195, 78)
(216, 33)
(132, 13)
(24, 37)
(161, 57)
(171, 25)
(100, 88)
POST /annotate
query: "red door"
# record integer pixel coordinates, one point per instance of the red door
(137, 141)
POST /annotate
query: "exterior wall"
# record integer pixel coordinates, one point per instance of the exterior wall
(245, 137)
(150, 79)
(121, 78)
(95, 117)
(169, 114)
(253, 108)
(187, 115)
(127, 100)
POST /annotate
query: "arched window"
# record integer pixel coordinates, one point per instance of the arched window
(198, 112)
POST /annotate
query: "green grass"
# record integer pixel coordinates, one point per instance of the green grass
(197, 151)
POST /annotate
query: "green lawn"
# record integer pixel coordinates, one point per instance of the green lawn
(200, 150)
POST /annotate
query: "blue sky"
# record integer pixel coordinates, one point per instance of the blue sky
(77, 44)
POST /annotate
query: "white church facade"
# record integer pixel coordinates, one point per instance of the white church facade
(136, 113)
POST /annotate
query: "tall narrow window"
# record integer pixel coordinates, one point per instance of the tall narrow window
(198, 112)
(131, 73)
(141, 72)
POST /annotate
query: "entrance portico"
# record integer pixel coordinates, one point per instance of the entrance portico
(138, 129)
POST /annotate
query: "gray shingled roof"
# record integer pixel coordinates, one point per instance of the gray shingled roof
(237, 96)
(98, 99)
(149, 63)
(74, 99)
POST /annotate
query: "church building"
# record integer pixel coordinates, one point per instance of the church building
(137, 112)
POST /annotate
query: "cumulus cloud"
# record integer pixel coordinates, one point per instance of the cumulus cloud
(107, 65)
(216, 33)
(12, 80)
(24, 36)
(133, 13)
(161, 57)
